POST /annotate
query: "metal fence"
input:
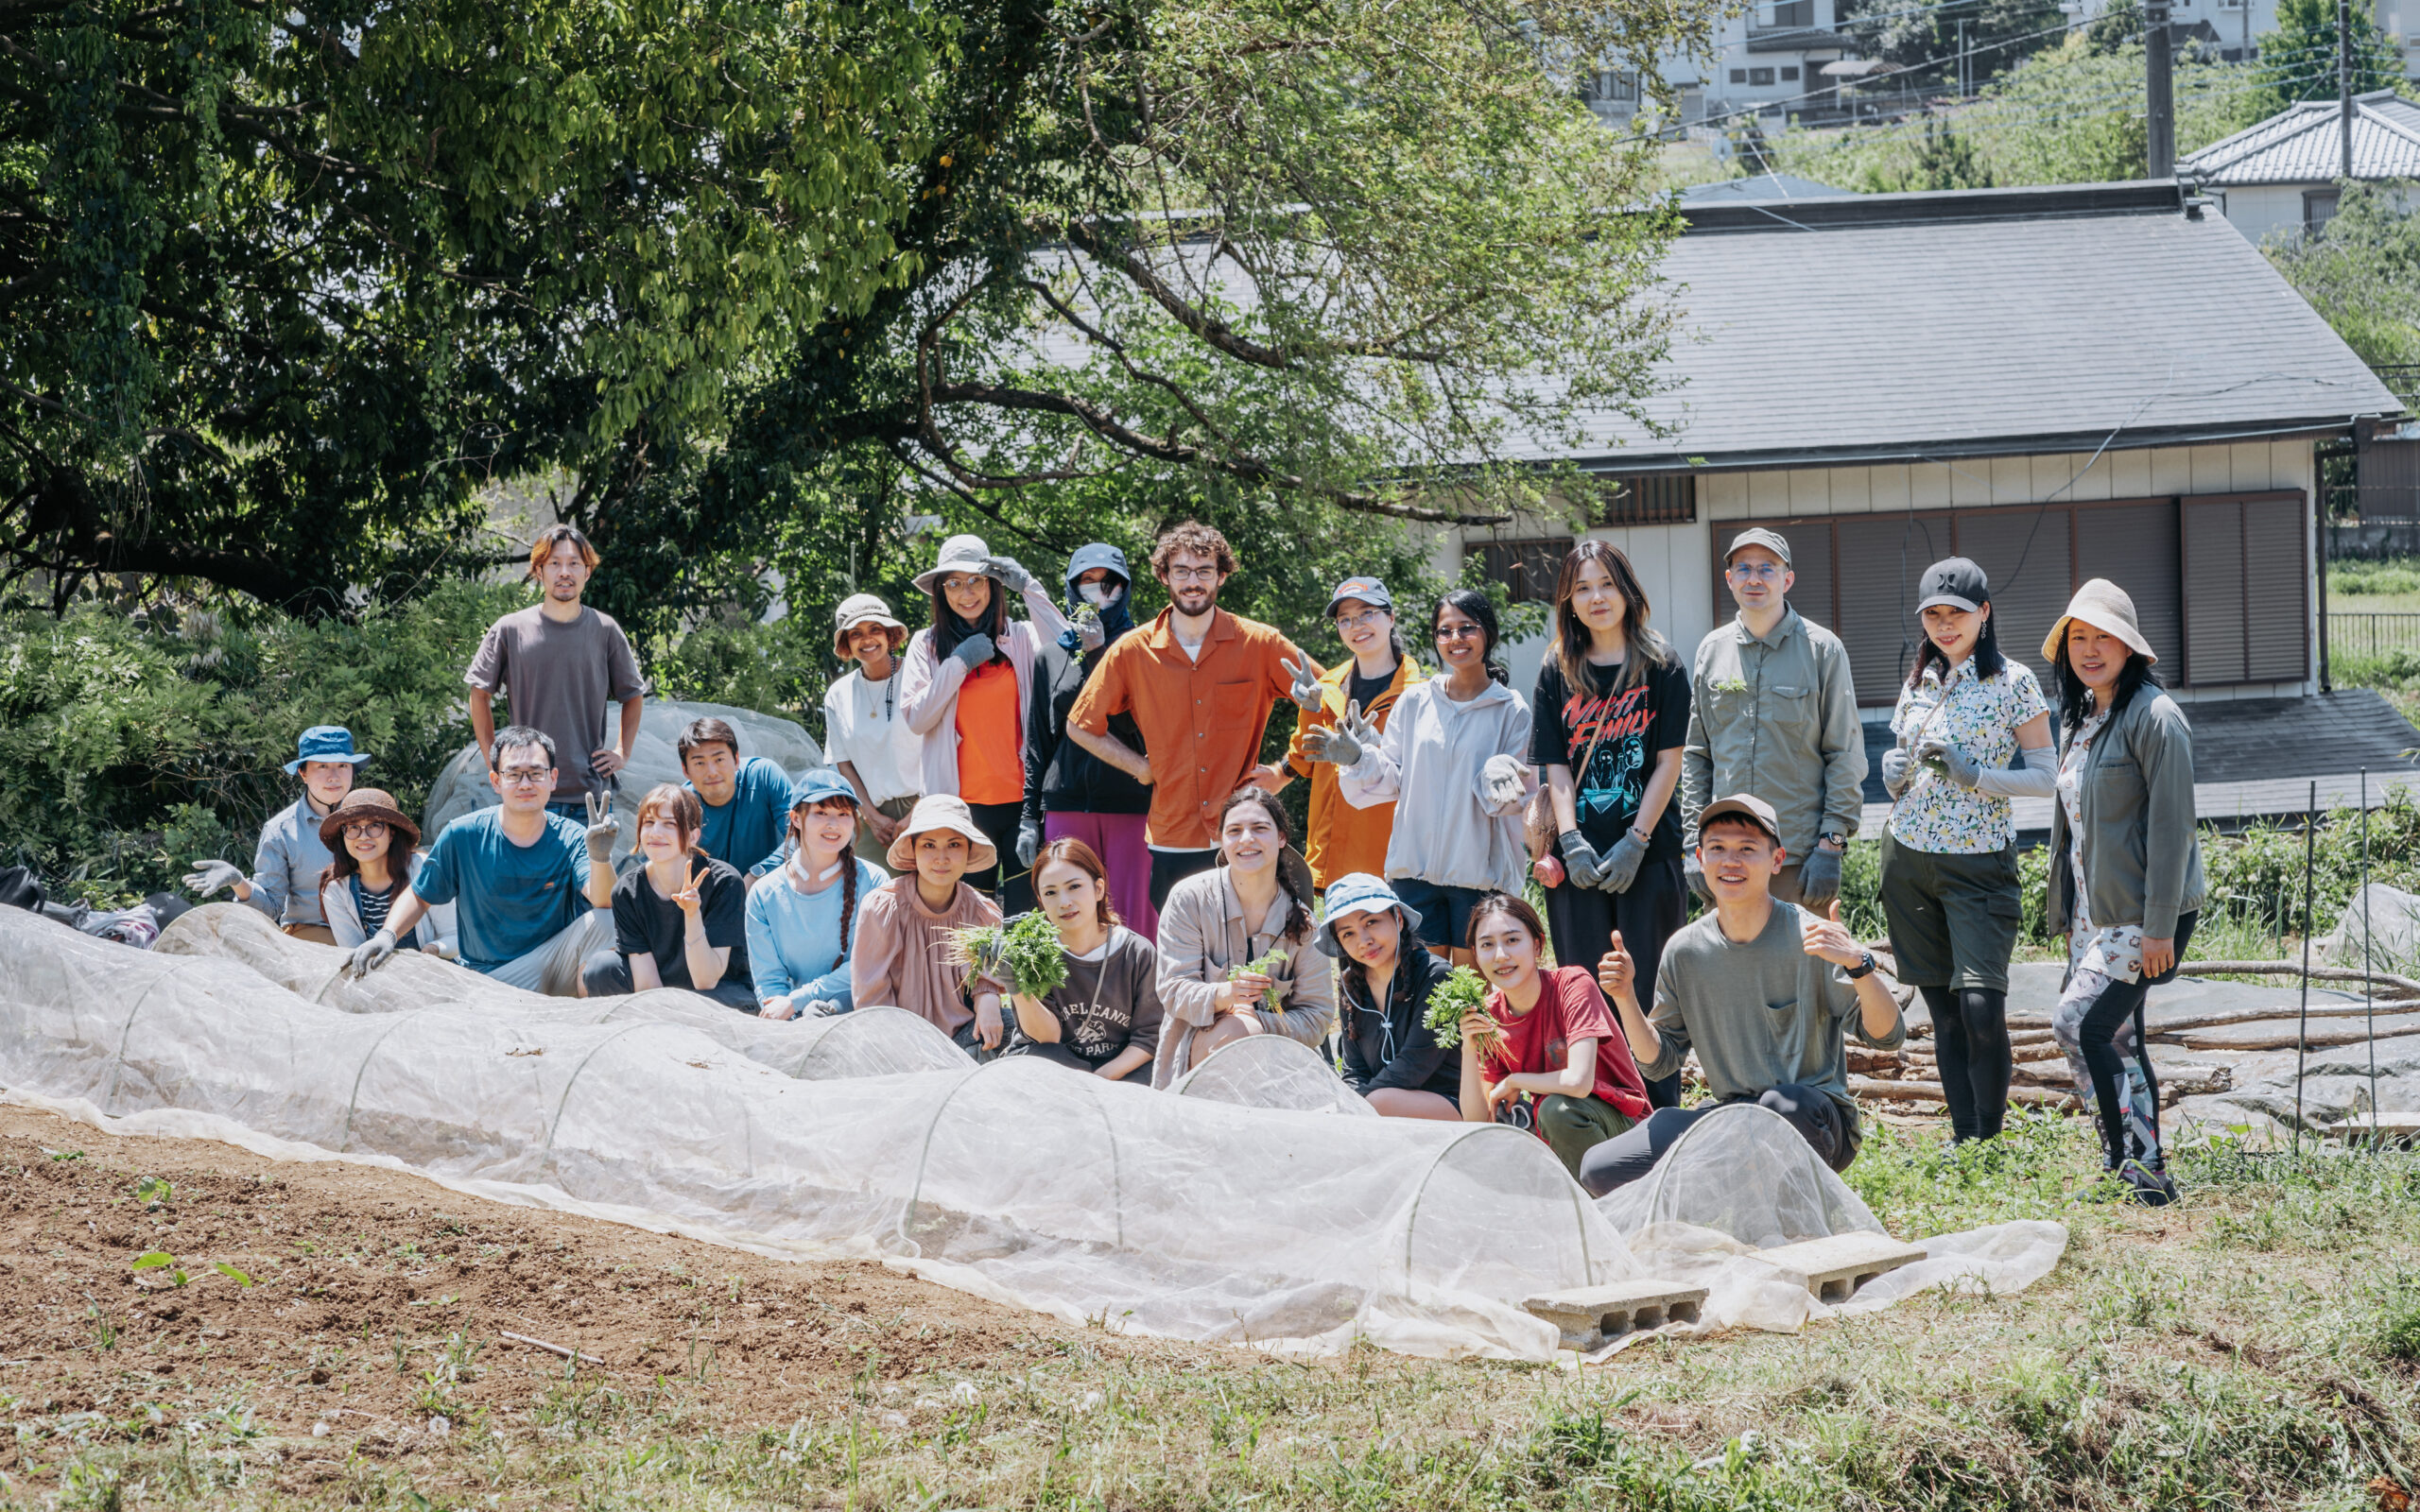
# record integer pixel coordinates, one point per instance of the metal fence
(2372, 635)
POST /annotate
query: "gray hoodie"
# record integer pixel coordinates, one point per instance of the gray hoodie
(1427, 765)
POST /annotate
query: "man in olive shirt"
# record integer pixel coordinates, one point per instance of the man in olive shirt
(1764, 991)
(1773, 711)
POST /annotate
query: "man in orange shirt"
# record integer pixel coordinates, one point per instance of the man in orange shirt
(1198, 683)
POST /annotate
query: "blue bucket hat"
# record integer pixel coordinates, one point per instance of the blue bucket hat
(1099, 554)
(821, 783)
(1358, 892)
(325, 742)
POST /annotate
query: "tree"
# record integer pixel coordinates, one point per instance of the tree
(286, 283)
(1924, 39)
(2299, 57)
(2361, 273)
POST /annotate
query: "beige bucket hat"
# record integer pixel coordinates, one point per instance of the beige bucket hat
(2104, 606)
(856, 609)
(940, 811)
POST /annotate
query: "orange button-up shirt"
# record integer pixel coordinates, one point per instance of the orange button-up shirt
(1201, 721)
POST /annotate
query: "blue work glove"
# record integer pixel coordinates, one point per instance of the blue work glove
(1621, 868)
(975, 651)
(1581, 866)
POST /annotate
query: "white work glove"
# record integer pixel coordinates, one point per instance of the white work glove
(371, 954)
(975, 651)
(1304, 689)
(1089, 634)
(1009, 572)
(1502, 782)
(823, 1007)
(1345, 743)
(207, 877)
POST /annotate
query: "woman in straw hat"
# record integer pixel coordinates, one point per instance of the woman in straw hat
(866, 735)
(368, 866)
(968, 681)
(2125, 868)
(905, 955)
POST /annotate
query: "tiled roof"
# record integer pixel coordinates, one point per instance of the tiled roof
(2303, 145)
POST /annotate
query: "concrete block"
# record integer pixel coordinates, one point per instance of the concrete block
(1834, 1268)
(1590, 1316)
(2389, 1128)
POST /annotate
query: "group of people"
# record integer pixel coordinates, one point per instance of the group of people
(1107, 772)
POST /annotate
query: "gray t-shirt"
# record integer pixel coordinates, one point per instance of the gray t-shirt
(1761, 1014)
(563, 679)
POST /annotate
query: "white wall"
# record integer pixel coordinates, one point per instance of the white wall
(2267, 210)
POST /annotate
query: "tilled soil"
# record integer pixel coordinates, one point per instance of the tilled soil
(365, 1310)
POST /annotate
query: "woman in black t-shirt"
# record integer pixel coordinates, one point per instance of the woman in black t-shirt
(1608, 721)
(680, 920)
(1105, 1017)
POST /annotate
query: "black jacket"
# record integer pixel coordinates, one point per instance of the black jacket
(1395, 1048)
(1061, 777)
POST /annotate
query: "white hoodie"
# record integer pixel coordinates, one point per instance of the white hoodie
(1427, 765)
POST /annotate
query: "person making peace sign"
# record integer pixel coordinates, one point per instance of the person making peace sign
(680, 920)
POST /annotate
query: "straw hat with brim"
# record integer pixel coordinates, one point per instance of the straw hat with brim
(368, 803)
(940, 810)
(859, 609)
(2104, 606)
(960, 554)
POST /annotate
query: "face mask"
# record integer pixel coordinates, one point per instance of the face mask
(1100, 595)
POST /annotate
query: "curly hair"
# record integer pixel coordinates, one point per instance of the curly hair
(1195, 537)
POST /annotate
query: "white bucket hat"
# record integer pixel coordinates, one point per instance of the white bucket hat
(2104, 606)
(960, 554)
(859, 609)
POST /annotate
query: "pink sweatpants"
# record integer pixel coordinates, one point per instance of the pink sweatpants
(1118, 839)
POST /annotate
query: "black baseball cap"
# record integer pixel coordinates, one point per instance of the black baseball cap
(1956, 582)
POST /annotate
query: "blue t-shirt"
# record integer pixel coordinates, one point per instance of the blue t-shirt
(747, 833)
(513, 898)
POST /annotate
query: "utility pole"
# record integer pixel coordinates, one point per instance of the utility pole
(2344, 85)
(2160, 87)
(1962, 89)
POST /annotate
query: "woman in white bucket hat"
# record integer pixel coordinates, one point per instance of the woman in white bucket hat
(2125, 868)
(968, 681)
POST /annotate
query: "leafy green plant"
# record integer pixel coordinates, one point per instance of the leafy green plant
(1267, 966)
(1021, 955)
(1463, 992)
(154, 1191)
(160, 1259)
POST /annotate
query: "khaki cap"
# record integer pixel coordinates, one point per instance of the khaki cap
(1771, 540)
(1748, 806)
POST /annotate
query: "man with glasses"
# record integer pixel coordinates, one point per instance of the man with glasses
(1773, 711)
(1200, 683)
(530, 888)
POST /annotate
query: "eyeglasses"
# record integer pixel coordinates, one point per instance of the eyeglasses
(1193, 574)
(1460, 632)
(1355, 622)
(367, 828)
(1757, 571)
(525, 776)
(960, 585)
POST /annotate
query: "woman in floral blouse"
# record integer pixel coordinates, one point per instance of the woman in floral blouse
(1949, 884)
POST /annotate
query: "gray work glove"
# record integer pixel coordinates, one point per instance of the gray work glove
(207, 877)
(1089, 634)
(1304, 688)
(1346, 743)
(1009, 572)
(1501, 783)
(975, 651)
(1693, 873)
(1029, 843)
(1581, 866)
(1898, 771)
(1819, 878)
(822, 1008)
(1621, 868)
(1954, 764)
(603, 828)
(371, 954)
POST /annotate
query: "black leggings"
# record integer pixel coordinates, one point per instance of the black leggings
(2119, 1005)
(1006, 880)
(1970, 1039)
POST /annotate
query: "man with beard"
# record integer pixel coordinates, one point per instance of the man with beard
(1199, 683)
(560, 665)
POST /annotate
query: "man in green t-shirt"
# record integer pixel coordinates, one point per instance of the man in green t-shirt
(1763, 990)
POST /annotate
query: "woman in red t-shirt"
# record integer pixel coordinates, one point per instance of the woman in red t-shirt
(1544, 1054)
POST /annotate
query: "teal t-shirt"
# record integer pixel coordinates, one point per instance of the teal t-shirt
(513, 898)
(747, 833)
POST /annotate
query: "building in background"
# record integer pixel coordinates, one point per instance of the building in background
(2279, 178)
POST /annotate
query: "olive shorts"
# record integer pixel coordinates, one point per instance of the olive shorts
(1953, 917)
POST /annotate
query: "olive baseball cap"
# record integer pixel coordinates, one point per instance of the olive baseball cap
(1771, 540)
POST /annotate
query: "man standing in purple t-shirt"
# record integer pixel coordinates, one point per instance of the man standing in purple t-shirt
(560, 664)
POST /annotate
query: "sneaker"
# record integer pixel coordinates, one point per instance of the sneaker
(2151, 1188)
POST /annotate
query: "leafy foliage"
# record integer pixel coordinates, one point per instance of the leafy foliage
(1021, 955)
(2361, 273)
(1463, 991)
(2301, 53)
(1914, 37)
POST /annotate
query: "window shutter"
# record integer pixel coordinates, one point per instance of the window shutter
(1881, 559)
(2276, 604)
(2213, 537)
(2134, 545)
(2026, 554)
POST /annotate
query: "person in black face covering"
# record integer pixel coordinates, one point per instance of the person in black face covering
(1069, 792)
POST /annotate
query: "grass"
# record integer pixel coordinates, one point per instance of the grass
(2256, 1346)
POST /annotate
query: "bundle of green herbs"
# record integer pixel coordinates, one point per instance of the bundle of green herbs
(1463, 992)
(1021, 955)
(1267, 966)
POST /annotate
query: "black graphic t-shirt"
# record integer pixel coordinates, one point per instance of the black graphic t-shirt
(1650, 718)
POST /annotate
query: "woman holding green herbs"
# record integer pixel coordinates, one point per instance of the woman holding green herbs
(1103, 1017)
(1237, 954)
(1392, 1056)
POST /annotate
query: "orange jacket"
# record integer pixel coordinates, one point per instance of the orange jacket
(1343, 839)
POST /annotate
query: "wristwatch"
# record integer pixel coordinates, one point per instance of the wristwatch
(1834, 838)
(1865, 967)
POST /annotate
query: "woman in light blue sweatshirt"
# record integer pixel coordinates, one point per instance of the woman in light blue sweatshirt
(803, 919)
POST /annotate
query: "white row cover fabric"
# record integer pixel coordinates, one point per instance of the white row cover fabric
(1176, 1216)
(1271, 1070)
